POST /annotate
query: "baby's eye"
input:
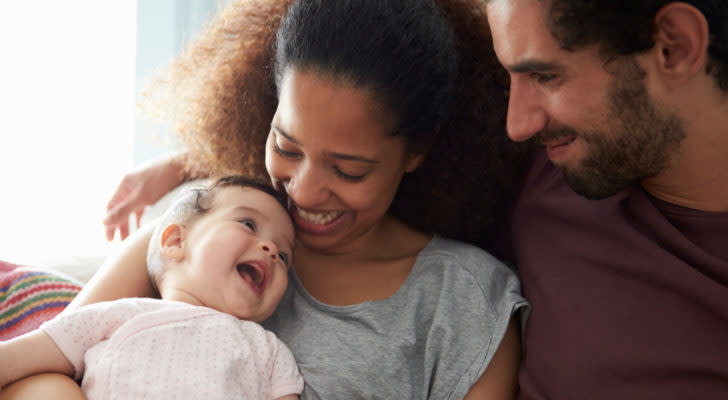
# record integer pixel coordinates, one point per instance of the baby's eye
(249, 223)
(284, 257)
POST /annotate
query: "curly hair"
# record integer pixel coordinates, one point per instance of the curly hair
(223, 89)
(627, 27)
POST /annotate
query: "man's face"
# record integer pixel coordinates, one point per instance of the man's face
(596, 118)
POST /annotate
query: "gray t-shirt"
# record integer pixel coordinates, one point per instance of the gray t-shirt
(430, 340)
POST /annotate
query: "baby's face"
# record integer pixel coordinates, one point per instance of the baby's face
(239, 252)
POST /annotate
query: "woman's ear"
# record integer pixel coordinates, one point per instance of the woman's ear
(414, 161)
(173, 242)
(681, 41)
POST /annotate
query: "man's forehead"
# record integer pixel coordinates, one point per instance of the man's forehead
(517, 14)
(521, 40)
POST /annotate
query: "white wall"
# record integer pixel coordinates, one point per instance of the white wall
(69, 74)
(66, 119)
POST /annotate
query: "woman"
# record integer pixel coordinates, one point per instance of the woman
(361, 113)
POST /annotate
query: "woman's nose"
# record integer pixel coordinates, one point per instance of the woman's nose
(526, 116)
(308, 186)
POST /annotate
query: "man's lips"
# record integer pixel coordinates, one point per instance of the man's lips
(254, 273)
(558, 149)
(560, 141)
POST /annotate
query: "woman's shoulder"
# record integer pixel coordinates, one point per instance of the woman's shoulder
(463, 255)
(464, 268)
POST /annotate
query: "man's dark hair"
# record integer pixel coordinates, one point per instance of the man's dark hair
(624, 27)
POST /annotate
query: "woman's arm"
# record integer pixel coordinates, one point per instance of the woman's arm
(122, 275)
(500, 379)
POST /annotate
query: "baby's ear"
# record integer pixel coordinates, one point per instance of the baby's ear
(173, 242)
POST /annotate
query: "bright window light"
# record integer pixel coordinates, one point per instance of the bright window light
(67, 94)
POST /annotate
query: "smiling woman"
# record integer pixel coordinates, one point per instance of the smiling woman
(68, 97)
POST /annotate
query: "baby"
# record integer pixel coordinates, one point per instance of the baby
(219, 259)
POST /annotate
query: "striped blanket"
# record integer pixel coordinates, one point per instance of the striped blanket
(31, 296)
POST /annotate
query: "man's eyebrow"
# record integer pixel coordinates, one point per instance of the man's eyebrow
(340, 156)
(533, 66)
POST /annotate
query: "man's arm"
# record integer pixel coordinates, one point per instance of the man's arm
(30, 354)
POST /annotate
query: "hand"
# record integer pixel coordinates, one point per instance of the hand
(140, 188)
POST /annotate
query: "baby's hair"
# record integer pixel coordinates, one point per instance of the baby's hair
(190, 206)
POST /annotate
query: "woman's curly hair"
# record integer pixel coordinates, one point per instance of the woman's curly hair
(224, 96)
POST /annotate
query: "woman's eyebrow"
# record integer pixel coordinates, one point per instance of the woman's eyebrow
(283, 133)
(340, 156)
(351, 157)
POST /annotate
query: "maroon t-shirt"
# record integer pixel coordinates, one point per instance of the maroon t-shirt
(629, 294)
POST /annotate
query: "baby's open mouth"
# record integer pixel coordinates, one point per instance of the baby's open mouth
(251, 274)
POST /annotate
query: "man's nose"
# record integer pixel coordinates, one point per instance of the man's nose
(526, 116)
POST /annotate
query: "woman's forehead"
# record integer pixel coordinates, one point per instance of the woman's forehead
(315, 110)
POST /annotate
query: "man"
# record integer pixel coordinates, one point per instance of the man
(629, 281)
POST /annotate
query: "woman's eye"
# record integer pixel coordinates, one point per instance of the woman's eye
(283, 153)
(349, 177)
(249, 223)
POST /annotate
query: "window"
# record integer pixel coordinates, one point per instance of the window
(67, 94)
(68, 127)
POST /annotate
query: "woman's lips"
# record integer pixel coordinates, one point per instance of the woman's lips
(319, 222)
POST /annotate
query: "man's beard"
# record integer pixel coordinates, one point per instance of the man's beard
(640, 145)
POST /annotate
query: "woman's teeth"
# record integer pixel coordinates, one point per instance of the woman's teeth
(318, 218)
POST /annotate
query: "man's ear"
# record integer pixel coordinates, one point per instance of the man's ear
(681, 41)
(173, 242)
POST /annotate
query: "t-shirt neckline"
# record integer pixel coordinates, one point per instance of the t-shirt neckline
(351, 308)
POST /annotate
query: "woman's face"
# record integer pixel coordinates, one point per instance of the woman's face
(330, 147)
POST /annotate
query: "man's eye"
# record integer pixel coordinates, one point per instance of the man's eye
(249, 223)
(543, 78)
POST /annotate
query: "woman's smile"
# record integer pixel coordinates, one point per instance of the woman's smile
(318, 222)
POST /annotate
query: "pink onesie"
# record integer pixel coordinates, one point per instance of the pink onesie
(158, 349)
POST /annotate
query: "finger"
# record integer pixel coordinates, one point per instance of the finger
(119, 215)
(121, 193)
(110, 231)
(123, 231)
(139, 213)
